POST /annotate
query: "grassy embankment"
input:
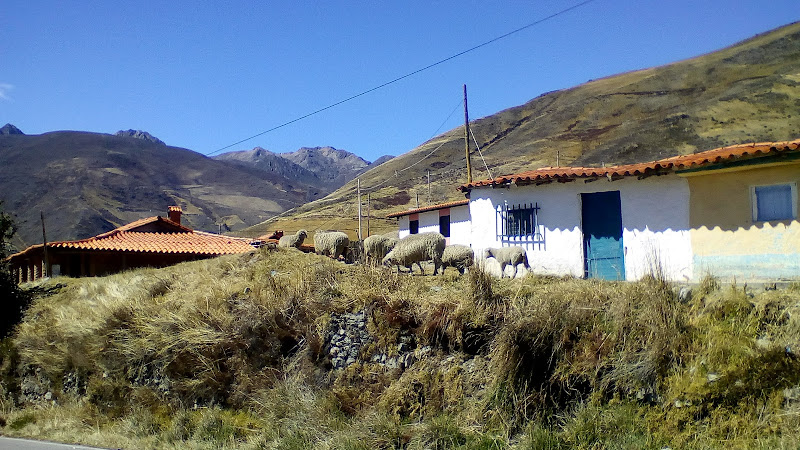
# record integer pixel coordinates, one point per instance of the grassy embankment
(232, 352)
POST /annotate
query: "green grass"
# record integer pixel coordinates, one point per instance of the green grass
(230, 353)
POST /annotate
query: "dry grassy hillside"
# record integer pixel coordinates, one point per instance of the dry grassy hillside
(238, 352)
(749, 92)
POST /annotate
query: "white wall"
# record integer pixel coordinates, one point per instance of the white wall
(655, 220)
(460, 230)
(402, 227)
(460, 227)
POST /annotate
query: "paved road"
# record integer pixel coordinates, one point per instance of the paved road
(26, 444)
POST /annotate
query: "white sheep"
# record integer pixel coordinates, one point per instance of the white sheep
(293, 240)
(416, 248)
(377, 246)
(458, 256)
(508, 255)
(331, 243)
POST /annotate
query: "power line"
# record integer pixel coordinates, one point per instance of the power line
(442, 61)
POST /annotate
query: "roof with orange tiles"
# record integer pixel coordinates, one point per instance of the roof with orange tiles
(428, 208)
(180, 242)
(675, 163)
(171, 238)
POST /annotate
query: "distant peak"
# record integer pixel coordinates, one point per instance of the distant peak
(139, 134)
(10, 129)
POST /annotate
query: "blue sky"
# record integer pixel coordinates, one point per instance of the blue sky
(203, 75)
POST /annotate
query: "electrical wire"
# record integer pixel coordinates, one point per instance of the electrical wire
(410, 74)
(481, 153)
(374, 188)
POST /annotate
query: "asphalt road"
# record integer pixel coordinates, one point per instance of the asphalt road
(26, 444)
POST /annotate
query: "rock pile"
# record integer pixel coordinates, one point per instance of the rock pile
(347, 333)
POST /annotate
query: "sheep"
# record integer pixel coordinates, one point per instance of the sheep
(416, 248)
(508, 255)
(331, 243)
(458, 256)
(377, 246)
(293, 240)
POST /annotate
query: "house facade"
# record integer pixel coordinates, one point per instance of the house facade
(151, 242)
(729, 212)
(452, 219)
(744, 217)
(620, 229)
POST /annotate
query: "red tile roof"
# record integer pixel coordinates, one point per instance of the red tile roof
(171, 238)
(194, 242)
(428, 208)
(157, 221)
(682, 162)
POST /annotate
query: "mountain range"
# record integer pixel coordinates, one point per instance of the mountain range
(88, 183)
(321, 169)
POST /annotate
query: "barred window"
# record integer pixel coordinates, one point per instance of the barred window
(520, 220)
(520, 224)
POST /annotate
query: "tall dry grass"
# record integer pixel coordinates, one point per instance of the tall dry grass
(230, 353)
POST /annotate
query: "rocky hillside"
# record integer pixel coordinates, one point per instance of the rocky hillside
(10, 129)
(321, 169)
(139, 134)
(747, 92)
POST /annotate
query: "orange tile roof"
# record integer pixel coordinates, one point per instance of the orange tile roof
(163, 221)
(181, 240)
(681, 162)
(428, 208)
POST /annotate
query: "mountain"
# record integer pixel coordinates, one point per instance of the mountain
(274, 163)
(88, 183)
(744, 93)
(332, 166)
(139, 134)
(320, 169)
(10, 129)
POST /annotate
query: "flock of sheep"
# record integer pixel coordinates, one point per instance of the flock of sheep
(410, 250)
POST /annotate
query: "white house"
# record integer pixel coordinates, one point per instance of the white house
(451, 219)
(730, 212)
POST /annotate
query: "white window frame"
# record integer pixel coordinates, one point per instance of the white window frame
(754, 201)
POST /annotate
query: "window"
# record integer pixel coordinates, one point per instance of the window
(774, 202)
(444, 225)
(413, 226)
(520, 220)
(520, 223)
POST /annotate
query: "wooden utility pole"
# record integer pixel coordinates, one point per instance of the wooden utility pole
(368, 202)
(358, 187)
(466, 137)
(429, 189)
(45, 267)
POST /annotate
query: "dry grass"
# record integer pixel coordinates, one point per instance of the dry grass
(230, 353)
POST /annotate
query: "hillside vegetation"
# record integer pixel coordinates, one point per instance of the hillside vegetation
(749, 92)
(239, 352)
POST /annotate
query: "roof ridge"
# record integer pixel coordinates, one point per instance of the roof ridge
(693, 159)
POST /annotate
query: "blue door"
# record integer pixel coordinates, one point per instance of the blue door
(602, 235)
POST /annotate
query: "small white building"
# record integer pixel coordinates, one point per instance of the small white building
(588, 225)
(729, 212)
(451, 219)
